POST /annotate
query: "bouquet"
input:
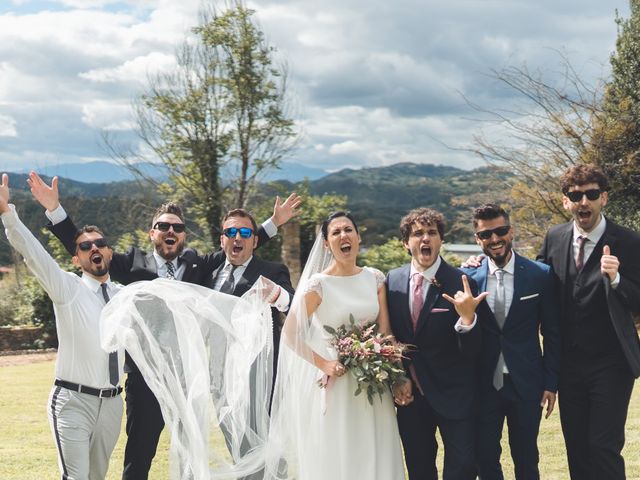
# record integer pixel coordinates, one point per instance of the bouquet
(372, 358)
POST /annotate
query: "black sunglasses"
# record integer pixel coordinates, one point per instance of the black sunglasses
(98, 242)
(231, 232)
(499, 231)
(165, 226)
(576, 195)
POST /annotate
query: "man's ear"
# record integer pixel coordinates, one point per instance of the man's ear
(75, 260)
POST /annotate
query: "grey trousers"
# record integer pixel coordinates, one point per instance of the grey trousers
(85, 430)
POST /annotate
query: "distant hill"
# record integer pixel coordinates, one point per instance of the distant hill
(378, 198)
(107, 172)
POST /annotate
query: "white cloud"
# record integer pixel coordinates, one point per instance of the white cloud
(7, 126)
(136, 70)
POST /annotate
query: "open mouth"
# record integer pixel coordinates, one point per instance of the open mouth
(170, 241)
(96, 258)
(496, 246)
(584, 214)
(345, 248)
(237, 249)
(426, 251)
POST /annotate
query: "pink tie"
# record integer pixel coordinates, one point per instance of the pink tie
(417, 299)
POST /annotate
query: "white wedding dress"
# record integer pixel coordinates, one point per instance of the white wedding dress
(351, 438)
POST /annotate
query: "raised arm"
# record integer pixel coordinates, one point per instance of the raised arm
(55, 281)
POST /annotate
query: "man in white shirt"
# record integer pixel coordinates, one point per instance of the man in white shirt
(85, 407)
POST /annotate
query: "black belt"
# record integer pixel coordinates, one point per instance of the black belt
(96, 392)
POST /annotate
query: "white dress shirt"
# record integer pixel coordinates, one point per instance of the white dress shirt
(281, 303)
(77, 303)
(594, 237)
(430, 274)
(161, 267)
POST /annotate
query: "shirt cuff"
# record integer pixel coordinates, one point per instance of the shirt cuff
(10, 218)
(282, 302)
(57, 215)
(616, 281)
(270, 228)
(460, 328)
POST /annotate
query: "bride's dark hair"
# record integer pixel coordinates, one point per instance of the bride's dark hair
(325, 225)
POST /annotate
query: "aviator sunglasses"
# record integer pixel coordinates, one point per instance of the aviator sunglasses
(231, 232)
(576, 195)
(98, 242)
(165, 226)
(499, 231)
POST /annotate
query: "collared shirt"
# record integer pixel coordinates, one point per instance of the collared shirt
(77, 303)
(161, 265)
(281, 303)
(594, 237)
(429, 274)
(492, 283)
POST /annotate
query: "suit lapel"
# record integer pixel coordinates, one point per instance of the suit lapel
(247, 279)
(518, 277)
(150, 263)
(565, 245)
(403, 288)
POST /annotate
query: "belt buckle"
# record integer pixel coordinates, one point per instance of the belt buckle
(106, 393)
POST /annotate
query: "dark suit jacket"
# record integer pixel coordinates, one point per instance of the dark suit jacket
(534, 307)
(444, 360)
(557, 251)
(136, 264)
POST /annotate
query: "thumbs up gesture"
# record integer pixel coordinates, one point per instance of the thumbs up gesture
(609, 264)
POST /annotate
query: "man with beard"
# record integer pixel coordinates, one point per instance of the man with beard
(597, 263)
(169, 259)
(516, 380)
(442, 363)
(85, 407)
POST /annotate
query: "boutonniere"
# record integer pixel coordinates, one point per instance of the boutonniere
(434, 281)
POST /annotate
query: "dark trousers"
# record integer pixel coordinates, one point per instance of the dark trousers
(144, 425)
(523, 422)
(417, 423)
(594, 395)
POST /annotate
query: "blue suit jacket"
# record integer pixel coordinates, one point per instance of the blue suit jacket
(445, 361)
(534, 309)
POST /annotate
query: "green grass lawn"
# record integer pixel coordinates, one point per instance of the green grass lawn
(28, 453)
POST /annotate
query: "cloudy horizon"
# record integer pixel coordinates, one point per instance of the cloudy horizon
(372, 83)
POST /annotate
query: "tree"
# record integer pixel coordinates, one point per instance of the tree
(567, 122)
(219, 120)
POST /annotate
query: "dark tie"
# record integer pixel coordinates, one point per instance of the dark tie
(230, 283)
(580, 257)
(113, 356)
(171, 271)
(499, 311)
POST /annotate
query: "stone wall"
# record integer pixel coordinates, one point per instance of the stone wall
(18, 338)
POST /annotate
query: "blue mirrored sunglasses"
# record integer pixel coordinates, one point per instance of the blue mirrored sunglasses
(231, 232)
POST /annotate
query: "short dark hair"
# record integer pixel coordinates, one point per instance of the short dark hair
(340, 213)
(240, 212)
(489, 211)
(426, 216)
(582, 174)
(87, 229)
(169, 207)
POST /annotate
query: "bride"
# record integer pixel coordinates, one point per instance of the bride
(331, 433)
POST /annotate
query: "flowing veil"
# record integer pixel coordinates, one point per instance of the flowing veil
(296, 416)
(207, 357)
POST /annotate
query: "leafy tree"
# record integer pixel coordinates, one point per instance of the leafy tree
(219, 120)
(385, 257)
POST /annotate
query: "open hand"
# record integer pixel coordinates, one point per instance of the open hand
(609, 264)
(283, 212)
(4, 194)
(474, 261)
(464, 301)
(46, 195)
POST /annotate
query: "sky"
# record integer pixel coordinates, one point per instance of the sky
(371, 83)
